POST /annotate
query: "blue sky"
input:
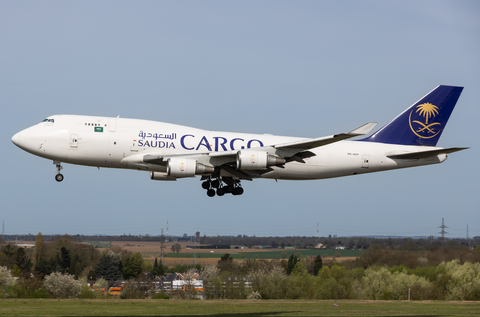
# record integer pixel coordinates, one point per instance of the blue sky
(300, 68)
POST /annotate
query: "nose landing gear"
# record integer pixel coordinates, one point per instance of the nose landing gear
(59, 176)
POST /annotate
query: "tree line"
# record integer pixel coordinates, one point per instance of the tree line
(301, 242)
(446, 273)
(61, 268)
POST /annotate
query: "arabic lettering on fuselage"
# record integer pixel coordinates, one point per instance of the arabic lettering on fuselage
(191, 142)
(156, 136)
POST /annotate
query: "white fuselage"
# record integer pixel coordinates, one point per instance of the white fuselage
(122, 143)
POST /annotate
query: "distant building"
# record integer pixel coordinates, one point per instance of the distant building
(320, 246)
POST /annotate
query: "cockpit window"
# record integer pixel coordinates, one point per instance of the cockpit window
(48, 120)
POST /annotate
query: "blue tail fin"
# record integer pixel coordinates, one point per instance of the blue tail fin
(422, 123)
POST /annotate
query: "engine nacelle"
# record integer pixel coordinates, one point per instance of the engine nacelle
(158, 176)
(182, 167)
(257, 160)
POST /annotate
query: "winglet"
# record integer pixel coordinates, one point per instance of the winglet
(364, 129)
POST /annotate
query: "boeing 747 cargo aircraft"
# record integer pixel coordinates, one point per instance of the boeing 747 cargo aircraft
(222, 159)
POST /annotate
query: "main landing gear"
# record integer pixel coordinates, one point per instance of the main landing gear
(222, 186)
(59, 176)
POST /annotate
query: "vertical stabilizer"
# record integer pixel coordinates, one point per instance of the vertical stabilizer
(422, 123)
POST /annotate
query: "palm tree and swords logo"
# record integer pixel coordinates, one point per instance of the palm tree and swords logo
(425, 130)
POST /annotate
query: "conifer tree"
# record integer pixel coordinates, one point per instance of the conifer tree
(66, 260)
(107, 268)
(38, 251)
(317, 264)
(160, 269)
(292, 261)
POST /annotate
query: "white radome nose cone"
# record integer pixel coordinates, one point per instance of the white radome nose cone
(16, 139)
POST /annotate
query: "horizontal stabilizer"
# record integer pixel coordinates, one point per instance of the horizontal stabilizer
(418, 155)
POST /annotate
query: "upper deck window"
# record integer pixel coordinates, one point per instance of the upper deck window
(49, 120)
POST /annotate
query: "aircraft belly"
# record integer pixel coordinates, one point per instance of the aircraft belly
(318, 167)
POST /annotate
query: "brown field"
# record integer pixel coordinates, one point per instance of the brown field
(151, 250)
(137, 246)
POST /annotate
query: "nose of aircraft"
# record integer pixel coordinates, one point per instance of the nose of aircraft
(16, 139)
(23, 140)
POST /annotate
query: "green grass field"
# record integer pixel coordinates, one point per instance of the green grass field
(266, 254)
(118, 307)
(99, 244)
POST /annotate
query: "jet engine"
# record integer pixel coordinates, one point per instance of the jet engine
(257, 160)
(182, 167)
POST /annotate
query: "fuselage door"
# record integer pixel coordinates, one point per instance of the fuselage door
(366, 159)
(134, 146)
(74, 140)
(112, 124)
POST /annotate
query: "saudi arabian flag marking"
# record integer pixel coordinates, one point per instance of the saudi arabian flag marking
(98, 129)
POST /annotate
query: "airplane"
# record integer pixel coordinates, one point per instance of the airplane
(224, 159)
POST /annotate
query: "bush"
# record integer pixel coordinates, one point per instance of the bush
(465, 281)
(254, 296)
(29, 286)
(6, 280)
(86, 292)
(100, 287)
(161, 295)
(138, 289)
(334, 283)
(379, 283)
(62, 285)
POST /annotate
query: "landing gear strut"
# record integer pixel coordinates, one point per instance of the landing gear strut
(59, 176)
(223, 185)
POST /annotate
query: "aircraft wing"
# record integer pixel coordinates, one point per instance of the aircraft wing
(302, 145)
(291, 151)
(286, 150)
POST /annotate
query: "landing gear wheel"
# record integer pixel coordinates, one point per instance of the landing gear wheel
(220, 191)
(211, 192)
(58, 165)
(238, 191)
(229, 189)
(206, 185)
(215, 183)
